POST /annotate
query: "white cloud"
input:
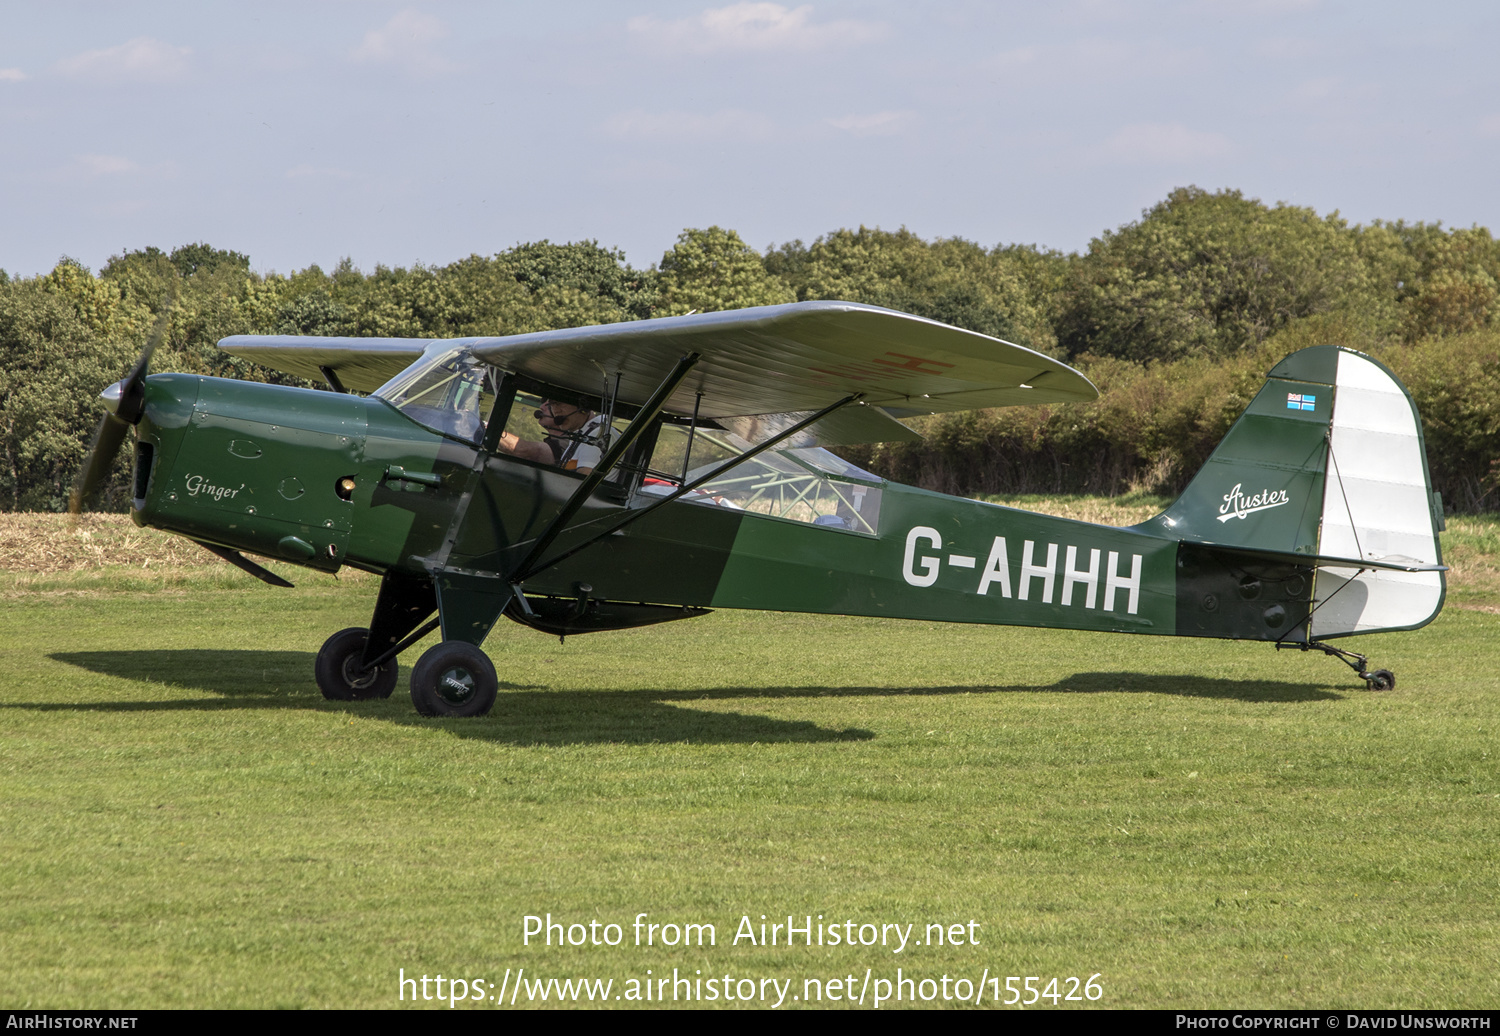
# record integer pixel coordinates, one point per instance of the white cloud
(407, 41)
(11, 75)
(1148, 143)
(318, 172)
(104, 165)
(1093, 13)
(753, 27)
(647, 171)
(142, 59)
(1290, 48)
(121, 209)
(1254, 8)
(1331, 90)
(1097, 59)
(727, 124)
(880, 124)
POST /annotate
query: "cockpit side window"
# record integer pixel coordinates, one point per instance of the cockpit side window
(568, 435)
(557, 433)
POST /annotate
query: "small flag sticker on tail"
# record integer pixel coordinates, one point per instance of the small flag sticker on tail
(1300, 401)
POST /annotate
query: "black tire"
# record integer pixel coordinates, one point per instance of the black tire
(454, 679)
(337, 669)
(1381, 680)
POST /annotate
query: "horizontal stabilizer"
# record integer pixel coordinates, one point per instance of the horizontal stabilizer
(1388, 563)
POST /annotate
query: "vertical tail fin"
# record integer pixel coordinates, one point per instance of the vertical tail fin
(1327, 462)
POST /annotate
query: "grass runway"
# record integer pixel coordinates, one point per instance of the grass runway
(185, 822)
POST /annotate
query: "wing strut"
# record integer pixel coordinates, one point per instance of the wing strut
(643, 420)
(332, 377)
(524, 572)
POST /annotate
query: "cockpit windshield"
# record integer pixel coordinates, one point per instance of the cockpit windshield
(446, 390)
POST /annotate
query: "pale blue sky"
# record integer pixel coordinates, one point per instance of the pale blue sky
(403, 132)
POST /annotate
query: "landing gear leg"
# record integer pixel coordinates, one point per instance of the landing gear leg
(1375, 680)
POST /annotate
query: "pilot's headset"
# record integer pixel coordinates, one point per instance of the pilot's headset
(560, 433)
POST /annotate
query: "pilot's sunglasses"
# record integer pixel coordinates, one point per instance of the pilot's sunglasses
(551, 409)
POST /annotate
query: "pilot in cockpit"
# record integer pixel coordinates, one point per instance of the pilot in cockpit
(572, 437)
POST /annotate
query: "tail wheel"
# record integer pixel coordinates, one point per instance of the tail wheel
(338, 671)
(1381, 680)
(454, 679)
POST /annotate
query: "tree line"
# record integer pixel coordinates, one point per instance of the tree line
(1175, 316)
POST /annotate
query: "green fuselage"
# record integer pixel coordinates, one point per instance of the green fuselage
(325, 479)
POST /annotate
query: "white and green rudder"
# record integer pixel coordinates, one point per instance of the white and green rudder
(1315, 518)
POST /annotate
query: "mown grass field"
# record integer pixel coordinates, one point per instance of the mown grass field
(184, 821)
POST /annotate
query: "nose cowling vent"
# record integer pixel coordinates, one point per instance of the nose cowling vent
(145, 453)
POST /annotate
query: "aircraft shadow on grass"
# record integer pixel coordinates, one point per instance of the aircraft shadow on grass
(535, 713)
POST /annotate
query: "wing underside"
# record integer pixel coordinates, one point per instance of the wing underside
(775, 359)
(762, 363)
(362, 364)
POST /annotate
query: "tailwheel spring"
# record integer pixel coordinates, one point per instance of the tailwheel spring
(1375, 680)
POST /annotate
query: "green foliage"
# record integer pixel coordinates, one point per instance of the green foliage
(1211, 274)
(1176, 316)
(950, 280)
(1045, 273)
(788, 264)
(1150, 430)
(583, 270)
(145, 277)
(1442, 282)
(312, 314)
(713, 269)
(1153, 427)
(532, 287)
(1456, 385)
(190, 259)
(63, 337)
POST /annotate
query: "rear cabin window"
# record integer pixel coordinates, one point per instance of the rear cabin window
(807, 485)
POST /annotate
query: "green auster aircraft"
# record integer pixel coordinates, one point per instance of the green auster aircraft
(699, 481)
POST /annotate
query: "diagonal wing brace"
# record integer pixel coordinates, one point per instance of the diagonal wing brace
(637, 515)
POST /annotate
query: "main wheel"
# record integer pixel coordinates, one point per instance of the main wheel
(454, 679)
(1381, 680)
(338, 673)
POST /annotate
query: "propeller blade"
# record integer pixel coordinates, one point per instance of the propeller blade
(107, 439)
(127, 405)
(133, 389)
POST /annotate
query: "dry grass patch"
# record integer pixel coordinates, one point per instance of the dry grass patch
(1471, 549)
(95, 553)
(45, 544)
